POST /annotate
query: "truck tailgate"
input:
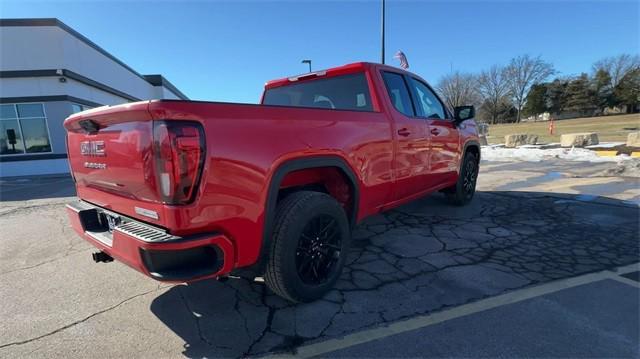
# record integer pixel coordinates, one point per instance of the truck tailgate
(110, 150)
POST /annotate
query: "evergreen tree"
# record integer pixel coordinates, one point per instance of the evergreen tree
(603, 89)
(628, 91)
(557, 96)
(579, 96)
(536, 100)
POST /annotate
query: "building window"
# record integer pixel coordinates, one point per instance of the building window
(23, 129)
(79, 108)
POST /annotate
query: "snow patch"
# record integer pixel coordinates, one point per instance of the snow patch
(494, 153)
(531, 146)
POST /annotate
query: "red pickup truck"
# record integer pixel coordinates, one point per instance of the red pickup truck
(188, 190)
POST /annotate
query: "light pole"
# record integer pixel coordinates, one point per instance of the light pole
(382, 33)
(307, 62)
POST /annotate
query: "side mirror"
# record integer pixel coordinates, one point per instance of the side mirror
(462, 113)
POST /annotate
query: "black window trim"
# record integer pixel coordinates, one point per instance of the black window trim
(448, 118)
(404, 79)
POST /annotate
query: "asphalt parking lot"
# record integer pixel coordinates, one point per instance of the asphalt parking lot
(542, 263)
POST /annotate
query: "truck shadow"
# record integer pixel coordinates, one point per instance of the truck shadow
(417, 259)
(36, 187)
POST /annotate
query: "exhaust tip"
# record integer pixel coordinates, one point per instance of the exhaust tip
(101, 257)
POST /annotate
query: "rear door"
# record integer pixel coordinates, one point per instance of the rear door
(411, 163)
(444, 135)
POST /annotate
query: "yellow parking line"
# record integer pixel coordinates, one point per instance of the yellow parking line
(606, 153)
(635, 154)
(422, 321)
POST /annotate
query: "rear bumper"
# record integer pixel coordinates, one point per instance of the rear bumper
(149, 249)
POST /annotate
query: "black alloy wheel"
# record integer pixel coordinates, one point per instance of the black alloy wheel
(462, 192)
(470, 177)
(319, 250)
(311, 239)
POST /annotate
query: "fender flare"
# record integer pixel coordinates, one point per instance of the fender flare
(300, 164)
(472, 143)
(306, 163)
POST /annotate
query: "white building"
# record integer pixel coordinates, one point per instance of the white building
(47, 72)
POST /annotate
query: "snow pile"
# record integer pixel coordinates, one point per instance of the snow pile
(496, 153)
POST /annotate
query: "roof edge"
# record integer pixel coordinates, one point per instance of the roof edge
(159, 80)
(56, 22)
(331, 71)
(33, 22)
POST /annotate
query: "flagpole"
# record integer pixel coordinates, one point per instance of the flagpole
(382, 32)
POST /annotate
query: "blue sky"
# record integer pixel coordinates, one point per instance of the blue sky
(226, 51)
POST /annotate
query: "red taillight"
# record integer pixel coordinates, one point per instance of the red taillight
(178, 152)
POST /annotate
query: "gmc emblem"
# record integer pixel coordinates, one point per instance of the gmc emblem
(92, 148)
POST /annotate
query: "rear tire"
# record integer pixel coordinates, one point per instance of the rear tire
(311, 237)
(462, 192)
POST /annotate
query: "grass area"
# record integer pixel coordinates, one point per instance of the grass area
(608, 128)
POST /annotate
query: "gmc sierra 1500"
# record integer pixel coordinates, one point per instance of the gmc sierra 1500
(188, 190)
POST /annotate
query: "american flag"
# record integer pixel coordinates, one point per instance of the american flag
(403, 59)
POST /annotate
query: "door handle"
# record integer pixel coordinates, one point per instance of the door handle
(404, 132)
(435, 131)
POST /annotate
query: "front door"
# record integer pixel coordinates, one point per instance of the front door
(444, 154)
(444, 135)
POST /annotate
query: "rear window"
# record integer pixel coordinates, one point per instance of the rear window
(346, 92)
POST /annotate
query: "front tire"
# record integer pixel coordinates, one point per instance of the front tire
(311, 237)
(462, 192)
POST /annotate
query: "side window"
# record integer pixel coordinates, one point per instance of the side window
(398, 93)
(428, 104)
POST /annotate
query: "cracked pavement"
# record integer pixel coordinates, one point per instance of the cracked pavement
(525, 227)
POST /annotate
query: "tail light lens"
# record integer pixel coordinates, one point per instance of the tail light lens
(178, 153)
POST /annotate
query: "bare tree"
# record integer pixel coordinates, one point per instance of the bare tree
(493, 87)
(522, 73)
(458, 89)
(617, 66)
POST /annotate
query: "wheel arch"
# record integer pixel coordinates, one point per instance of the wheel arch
(273, 189)
(297, 164)
(472, 146)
